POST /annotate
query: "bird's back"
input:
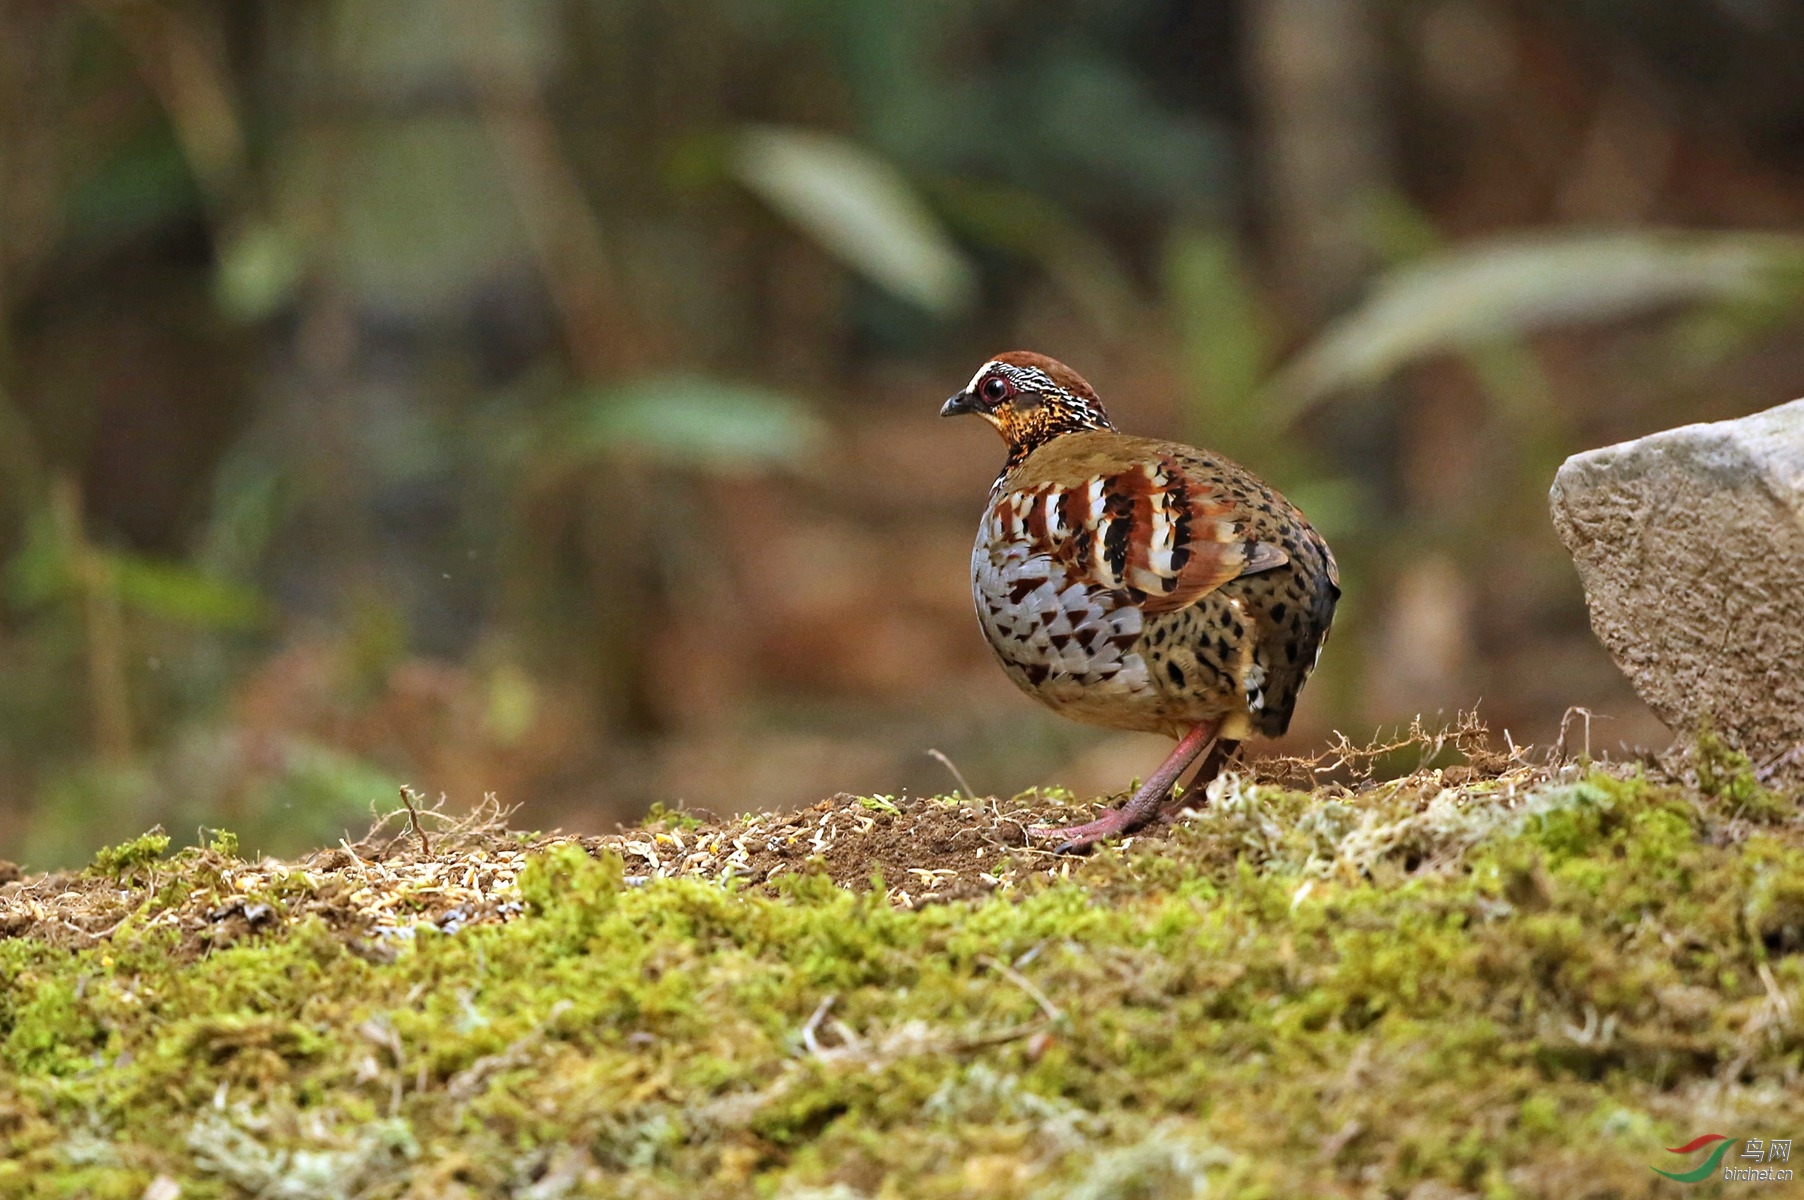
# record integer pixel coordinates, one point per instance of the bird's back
(1145, 584)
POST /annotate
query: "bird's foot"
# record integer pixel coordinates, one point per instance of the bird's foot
(1145, 804)
(1080, 839)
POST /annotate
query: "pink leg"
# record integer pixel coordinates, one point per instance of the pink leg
(1145, 803)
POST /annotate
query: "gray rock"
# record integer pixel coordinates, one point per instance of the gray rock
(1690, 544)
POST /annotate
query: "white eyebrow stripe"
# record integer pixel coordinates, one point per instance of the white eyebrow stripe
(992, 365)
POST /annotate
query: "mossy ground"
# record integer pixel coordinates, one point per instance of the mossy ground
(1506, 982)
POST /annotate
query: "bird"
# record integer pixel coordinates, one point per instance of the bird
(1139, 584)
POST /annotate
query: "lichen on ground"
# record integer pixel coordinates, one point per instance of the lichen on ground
(1497, 979)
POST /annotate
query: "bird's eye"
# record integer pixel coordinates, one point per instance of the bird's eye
(994, 389)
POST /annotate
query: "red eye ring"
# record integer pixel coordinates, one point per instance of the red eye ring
(995, 388)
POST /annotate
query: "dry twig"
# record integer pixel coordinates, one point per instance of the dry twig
(413, 820)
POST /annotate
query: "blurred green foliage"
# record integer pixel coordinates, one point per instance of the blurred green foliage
(54, 567)
(1483, 295)
(859, 208)
(692, 421)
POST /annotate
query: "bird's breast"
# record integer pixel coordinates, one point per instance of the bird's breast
(1060, 638)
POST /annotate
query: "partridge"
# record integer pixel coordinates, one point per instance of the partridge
(1139, 584)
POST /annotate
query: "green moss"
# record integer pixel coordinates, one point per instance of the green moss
(125, 858)
(1496, 993)
(1727, 774)
(663, 817)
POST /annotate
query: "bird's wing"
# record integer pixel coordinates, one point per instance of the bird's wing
(1154, 528)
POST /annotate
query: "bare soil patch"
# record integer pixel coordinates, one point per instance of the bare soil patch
(450, 873)
(383, 885)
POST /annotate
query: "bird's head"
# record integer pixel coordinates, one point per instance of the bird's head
(1030, 399)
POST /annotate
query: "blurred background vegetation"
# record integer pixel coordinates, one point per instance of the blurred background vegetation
(537, 397)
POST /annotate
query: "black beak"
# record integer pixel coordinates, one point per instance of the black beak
(959, 405)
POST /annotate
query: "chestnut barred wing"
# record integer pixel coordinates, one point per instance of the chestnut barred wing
(1152, 533)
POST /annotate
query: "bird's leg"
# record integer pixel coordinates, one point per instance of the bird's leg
(1210, 765)
(1144, 805)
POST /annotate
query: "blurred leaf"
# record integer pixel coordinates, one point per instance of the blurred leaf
(512, 705)
(859, 208)
(43, 572)
(180, 593)
(145, 184)
(259, 268)
(695, 421)
(1517, 285)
